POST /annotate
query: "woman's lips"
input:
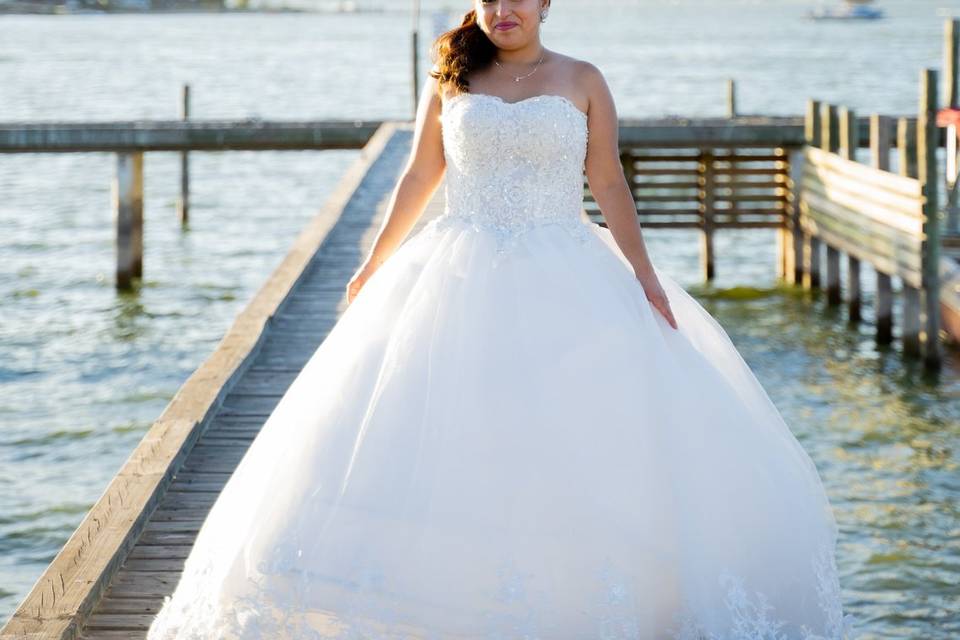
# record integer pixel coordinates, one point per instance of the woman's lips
(503, 26)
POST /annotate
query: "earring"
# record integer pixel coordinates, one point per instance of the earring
(543, 16)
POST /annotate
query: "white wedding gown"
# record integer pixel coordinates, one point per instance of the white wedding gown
(502, 438)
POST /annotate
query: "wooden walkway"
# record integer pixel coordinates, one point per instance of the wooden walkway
(305, 317)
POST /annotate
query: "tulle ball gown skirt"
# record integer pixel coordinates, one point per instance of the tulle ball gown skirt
(516, 444)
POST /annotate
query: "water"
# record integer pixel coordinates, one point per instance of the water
(85, 370)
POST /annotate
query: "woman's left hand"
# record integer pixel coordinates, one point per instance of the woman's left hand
(655, 294)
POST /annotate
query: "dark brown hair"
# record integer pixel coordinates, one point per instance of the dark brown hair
(459, 51)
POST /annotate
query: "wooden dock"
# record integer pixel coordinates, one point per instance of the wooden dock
(111, 576)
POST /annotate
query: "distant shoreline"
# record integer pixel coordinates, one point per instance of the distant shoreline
(24, 8)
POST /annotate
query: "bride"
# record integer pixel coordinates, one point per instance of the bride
(519, 427)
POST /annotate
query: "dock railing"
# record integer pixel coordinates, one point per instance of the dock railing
(889, 220)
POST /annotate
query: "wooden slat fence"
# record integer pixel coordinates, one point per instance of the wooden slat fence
(706, 188)
(889, 220)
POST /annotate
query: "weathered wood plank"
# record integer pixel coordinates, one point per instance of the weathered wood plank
(180, 135)
(129, 605)
(228, 439)
(102, 634)
(180, 515)
(159, 552)
(199, 487)
(860, 225)
(209, 465)
(903, 213)
(171, 526)
(861, 174)
(172, 564)
(228, 433)
(188, 500)
(144, 584)
(150, 538)
(119, 621)
(841, 240)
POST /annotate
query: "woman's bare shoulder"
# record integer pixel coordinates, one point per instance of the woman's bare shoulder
(575, 67)
(582, 78)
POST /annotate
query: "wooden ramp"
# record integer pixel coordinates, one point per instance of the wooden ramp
(111, 576)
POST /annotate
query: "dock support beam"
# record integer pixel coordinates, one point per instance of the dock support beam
(830, 141)
(952, 101)
(789, 239)
(849, 142)
(792, 235)
(810, 260)
(707, 188)
(880, 127)
(907, 166)
(128, 218)
(731, 98)
(927, 137)
(183, 204)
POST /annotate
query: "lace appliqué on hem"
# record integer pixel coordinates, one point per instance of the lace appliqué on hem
(752, 617)
(256, 615)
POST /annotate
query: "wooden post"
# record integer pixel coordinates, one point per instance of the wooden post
(907, 147)
(911, 320)
(950, 61)
(927, 142)
(849, 141)
(128, 217)
(907, 161)
(880, 159)
(810, 258)
(800, 242)
(783, 256)
(793, 236)
(734, 203)
(628, 161)
(707, 180)
(952, 100)
(731, 98)
(831, 142)
(415, 50)
(183, 203)
(785, 265)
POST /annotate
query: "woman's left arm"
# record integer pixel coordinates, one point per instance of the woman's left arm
(610, 189)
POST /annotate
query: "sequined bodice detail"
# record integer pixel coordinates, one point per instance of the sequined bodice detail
(514, 166)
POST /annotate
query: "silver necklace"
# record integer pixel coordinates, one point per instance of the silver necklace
(519, 78)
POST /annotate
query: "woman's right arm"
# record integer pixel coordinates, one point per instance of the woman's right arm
(414, 189)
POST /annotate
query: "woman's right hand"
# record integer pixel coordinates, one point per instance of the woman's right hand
(360, 278)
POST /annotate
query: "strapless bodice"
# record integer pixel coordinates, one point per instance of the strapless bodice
(513, 166)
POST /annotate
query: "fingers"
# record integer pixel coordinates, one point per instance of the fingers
(356, 283)
(662, 303)
(671, 319)
(668, 313)
(351, 292)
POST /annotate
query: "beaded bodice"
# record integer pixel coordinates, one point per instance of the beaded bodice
(513, 166)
